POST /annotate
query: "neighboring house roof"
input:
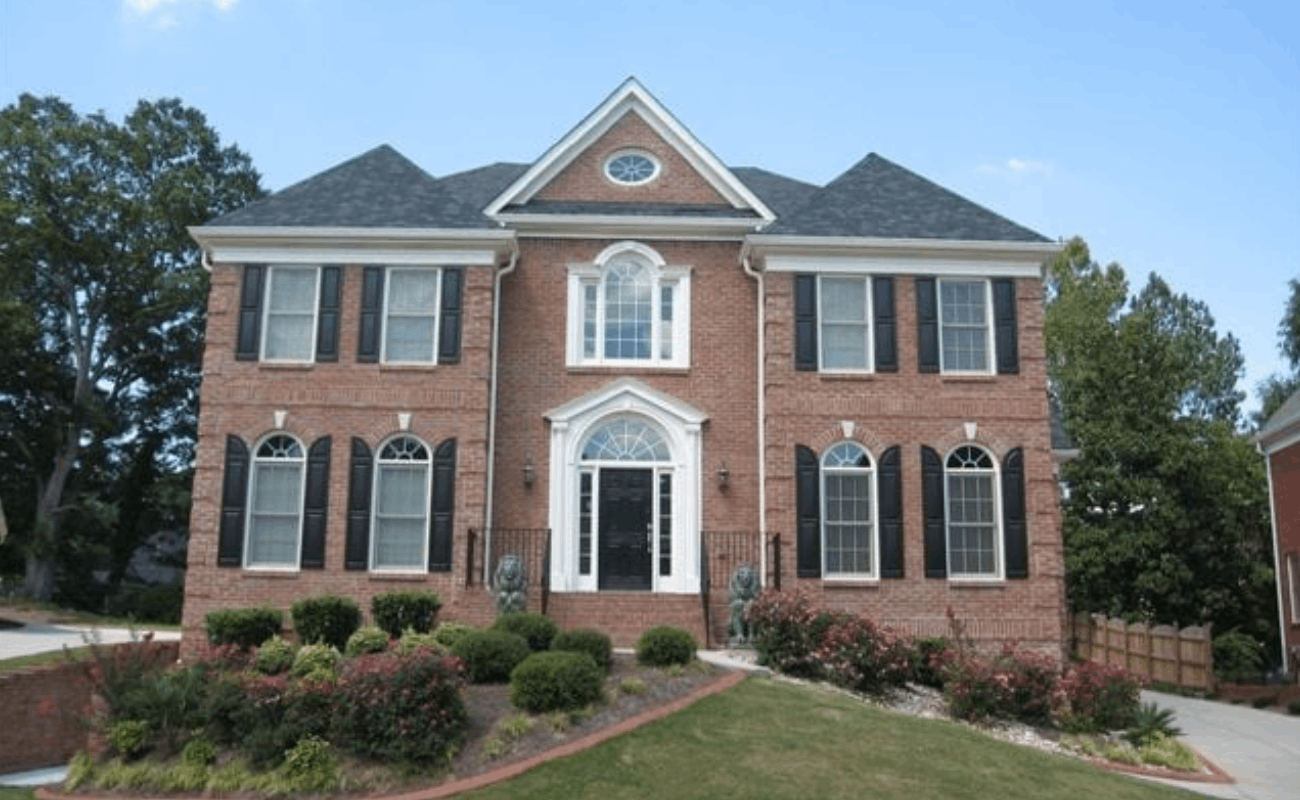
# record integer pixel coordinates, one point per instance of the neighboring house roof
(377, 189)
(1283, 428)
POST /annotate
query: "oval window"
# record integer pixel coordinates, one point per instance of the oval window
(631, 169)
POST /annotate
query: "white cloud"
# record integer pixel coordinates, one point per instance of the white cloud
(1017, 167)
(161, 12)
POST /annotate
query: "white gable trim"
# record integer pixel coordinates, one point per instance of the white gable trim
(629, 393)
(631, 97)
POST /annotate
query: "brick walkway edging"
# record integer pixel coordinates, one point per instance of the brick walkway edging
(518, 768)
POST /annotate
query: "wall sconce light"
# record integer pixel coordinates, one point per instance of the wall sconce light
(724, 476)
(530, 473)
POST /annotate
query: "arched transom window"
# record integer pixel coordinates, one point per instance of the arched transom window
(626, 440)
(401, 515)
(275, 503)
(972, 513)
(848, 518)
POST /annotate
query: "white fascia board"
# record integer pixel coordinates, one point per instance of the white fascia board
(772, 246)
(1280, 439)
(651, 227)
(899, 265)
(303, 245)
(629, 97)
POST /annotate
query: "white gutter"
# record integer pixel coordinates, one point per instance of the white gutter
(762, 416)
(492, 404)
(1277, 553)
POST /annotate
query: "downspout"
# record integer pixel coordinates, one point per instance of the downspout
(762, 415)
(1277, 554)
(492, 405)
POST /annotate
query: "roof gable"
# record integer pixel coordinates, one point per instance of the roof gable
(629, 98)
(878, 198)
(378, 189)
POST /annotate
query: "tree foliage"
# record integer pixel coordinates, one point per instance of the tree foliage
(1276, 388)
(1166, 519)
(101, 309)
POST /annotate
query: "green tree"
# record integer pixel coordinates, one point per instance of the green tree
(1166, 519)
(101, 306)
(1276, 388)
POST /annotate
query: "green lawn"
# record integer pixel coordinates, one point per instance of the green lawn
(49, 657)
(16, 793)
(769, 739)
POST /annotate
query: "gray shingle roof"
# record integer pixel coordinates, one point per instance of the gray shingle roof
(478, 187)
(878, 198)
(781, 194)
(377, 189)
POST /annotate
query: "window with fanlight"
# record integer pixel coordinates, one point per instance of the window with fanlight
(274, 528)
(629, 308)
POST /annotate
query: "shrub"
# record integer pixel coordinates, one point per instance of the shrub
(556, 681)
(329, 619)
(370, 639)
(632, 685)
(315, 661)
(309, 766)
(1165, 751)
(1150, 721)
(1012, 685)
(536, 629)
(244, 627)
(1095, 697)
(405, 708)
(449, 632)
(1265, 701)
(397, 611)
(665, 645)
(593, 643)
(130, 737)
(1238, 657)
(1293, 707)
(490, 656)
(274, 656)
(198, 752)
(859, 655)
(168, 702)
(928, 656)
(411, 641)
(786, 631)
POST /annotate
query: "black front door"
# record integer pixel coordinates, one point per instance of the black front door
(625, 528)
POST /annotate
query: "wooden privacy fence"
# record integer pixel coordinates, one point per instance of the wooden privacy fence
(1161, 653)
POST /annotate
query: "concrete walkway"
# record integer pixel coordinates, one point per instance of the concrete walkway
(1260, 749)
(40, 638)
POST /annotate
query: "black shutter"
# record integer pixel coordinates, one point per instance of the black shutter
(890, 484)
(316, 504)
(442, 504)
(805, 322)
(808, 541)
(360, 485)
(372, 312)
(927, 326)
(248, 341)
(327, 323)
(882, 298)
(449, 317)
(1004, 325)
(234, 494)
(936, 533)
(1014, 531)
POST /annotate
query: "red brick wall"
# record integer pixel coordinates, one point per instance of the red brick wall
(677, 182)
(1285, 468)
(910, 409)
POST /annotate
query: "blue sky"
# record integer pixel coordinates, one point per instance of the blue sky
(1167, 134)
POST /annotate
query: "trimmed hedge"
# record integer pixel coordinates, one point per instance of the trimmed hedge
(274, 656)
(243, 627)
(664, 646)
(329, 619)
(555, 681)
(535, 628)
(490, 656)
(369, 639)
(315, 661)
(397, 611)
(583, 640)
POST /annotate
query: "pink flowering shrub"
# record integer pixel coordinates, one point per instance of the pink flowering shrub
(787, 629)
(1011, 685)
(859, 655)
(1095, 697)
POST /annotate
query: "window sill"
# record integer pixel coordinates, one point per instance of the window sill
(275, 573)
(957, 378)
(850, 583)
(409, 577)
(407, 367)
(847, 376)
(286, 365)
(977, 583)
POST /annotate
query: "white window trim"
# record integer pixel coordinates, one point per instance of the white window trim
(662, 274)
(989, 355)
(374, 509)
(631, 151)
(999, 573)
(437, 314)
(870, 355)
(266, 315)
(1293, 586)
(256, 463)
(871, 471)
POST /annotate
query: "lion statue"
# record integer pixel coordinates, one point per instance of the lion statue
(510, 584)
(744, 588)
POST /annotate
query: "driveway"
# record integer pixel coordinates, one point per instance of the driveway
(1260, 749)
(33, 638)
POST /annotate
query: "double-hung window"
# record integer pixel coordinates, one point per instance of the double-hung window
(411, 316)
(972, 515)
(275, 504)
(848, 521)
(289, 322)
(845, 321)
(629, 309)
(965, 324)
(401, 509)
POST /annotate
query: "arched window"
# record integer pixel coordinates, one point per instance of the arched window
(401, 508)
(848, 517)
(972, 515)
(626, 440)
(275, 504)
(629, 308)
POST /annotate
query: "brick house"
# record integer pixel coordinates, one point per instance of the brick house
(1279, 441)
(636, 368)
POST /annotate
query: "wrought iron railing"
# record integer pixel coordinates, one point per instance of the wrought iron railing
(485, 548)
